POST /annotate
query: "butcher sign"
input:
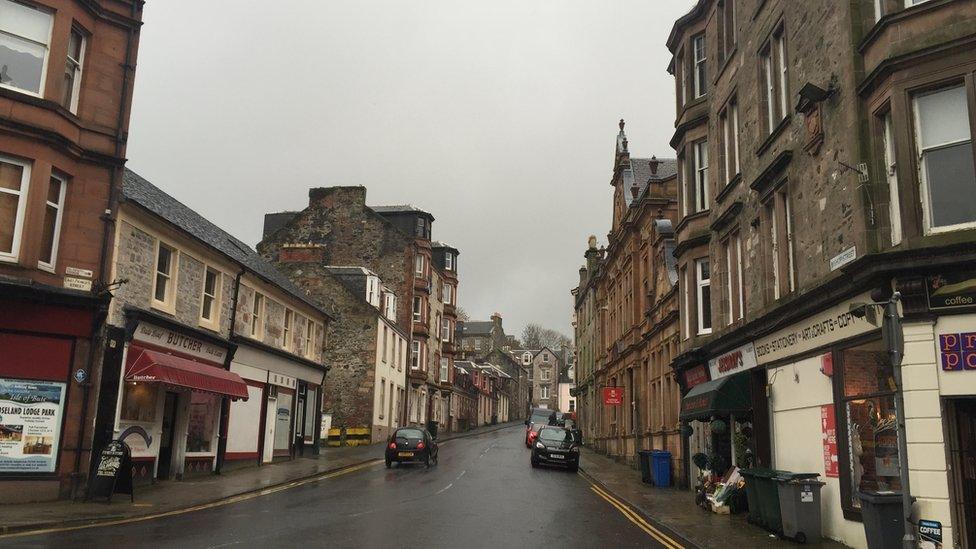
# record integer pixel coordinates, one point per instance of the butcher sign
(613, 396)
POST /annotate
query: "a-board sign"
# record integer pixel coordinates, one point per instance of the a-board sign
(930, 531)
(112, 473)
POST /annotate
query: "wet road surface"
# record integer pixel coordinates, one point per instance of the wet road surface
(483, 493)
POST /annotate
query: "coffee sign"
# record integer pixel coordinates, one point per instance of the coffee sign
(737, 360)
(951, 291)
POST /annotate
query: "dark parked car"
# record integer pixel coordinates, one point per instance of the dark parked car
(411, 444)
(556, 446)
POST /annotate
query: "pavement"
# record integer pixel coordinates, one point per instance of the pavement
(675, 511)
(173, 496)
(482, 493)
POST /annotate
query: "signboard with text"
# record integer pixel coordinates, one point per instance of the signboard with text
(613, 396)
(695, 376)
(828, 422)
(951, 291)
(958, 351)
(829, 326)
(737, 360)
(168, 339)
(30, 425)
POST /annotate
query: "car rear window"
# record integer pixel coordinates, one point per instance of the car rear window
(409, 433)
(556, 435)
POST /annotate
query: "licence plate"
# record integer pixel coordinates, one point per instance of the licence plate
(557, 456)
(405, 454)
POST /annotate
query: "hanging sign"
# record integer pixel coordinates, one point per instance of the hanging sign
(613, 396)
(30, 425)
(951, 291)
(828, 423)
(930, 531)
(695, 376)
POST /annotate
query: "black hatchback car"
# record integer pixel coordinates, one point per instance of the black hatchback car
(556, 446)
(411, 444)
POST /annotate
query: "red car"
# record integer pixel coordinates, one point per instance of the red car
(533, 433)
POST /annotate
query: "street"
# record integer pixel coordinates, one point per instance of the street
(483, 493)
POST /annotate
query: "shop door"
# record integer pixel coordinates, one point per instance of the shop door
(267, 451)
(168, 436)
(964, 463)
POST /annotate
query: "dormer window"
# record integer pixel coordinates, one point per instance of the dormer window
(449, 261)
(421, 230)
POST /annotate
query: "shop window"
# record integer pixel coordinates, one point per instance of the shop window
(71, 87)
(945, 149)
(870, 457)
(202, 424)
(14, 179)
(139, 402)
(25, 33)
(310, 417)
(53, 211)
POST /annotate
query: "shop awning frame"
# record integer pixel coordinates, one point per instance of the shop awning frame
(147, 366)
(718, 397)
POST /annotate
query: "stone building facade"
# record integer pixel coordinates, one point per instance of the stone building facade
(626, 314)
(65, 95)
(820, 172)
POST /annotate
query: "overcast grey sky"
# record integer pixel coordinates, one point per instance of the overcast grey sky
(498, 117)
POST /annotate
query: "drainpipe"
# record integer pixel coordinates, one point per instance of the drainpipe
(107, 231)
(225, 401)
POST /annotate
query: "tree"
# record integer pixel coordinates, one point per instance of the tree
(462, 315)
(535, 336)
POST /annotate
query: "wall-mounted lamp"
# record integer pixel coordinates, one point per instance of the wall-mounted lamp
(812, 94)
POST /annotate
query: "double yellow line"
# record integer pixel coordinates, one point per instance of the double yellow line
(201, 507)
(638, 521)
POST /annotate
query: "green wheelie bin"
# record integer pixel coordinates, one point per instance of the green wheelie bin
(755, 479)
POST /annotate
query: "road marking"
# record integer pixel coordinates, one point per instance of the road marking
(444, 489)
(639, 521)
(201, 507)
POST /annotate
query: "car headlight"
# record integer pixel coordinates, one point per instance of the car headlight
(540, 445)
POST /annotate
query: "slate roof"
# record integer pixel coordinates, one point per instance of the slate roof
(477, 327)
(138, 190)
(641, 168)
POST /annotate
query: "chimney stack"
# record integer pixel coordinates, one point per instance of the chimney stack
(654, 164)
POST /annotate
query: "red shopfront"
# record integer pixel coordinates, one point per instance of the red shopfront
(44, 340)
(172, 400)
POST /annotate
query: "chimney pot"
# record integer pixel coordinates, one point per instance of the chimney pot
(654, 164)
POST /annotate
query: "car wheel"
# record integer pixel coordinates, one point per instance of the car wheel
(574, 468)
(389, 464)
(437, 458)
(427, 461)
(535, 463)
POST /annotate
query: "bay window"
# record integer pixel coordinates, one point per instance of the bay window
(943, 141)
(701, 189)
(418, 309)
(894, 203)
(25, 35)
(14, 180)
(445, 368)
(72, 71)
(701, 75)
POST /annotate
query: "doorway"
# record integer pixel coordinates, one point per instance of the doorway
(962, 451)
(167, 437)
(267, 451)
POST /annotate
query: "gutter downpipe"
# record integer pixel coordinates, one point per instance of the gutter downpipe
(107, 231)
(225, 401)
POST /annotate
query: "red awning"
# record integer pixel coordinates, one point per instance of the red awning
(151, 366)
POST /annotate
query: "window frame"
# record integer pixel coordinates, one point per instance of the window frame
(78, 68)
(729, 118)
(416, 353)
(417, 312)
(258, 309)
(308, 338)
(700, 150)
(22, 195)
(700, 284)
(287, 331)
(168, 303)
(890, 166)
(921, 172)
(56, 235)
(444, 370)
(774, 78)
(699, 57)
(448, 261)
(47, 50)
(214, 319)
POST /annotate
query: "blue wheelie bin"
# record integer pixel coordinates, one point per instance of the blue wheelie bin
(661, 464)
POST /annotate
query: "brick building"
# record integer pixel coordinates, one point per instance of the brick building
(824, 152)
(626, 314)
(394, 242)
(66, 74)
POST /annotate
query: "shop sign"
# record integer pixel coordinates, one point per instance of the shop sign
(930, 531)
(828, 423)
(737, 360)
(951, 291)
(613, 396)
(75, 271)
(184, 344)
(958, 351)
(695, 376)
(830, 326)
(30, 425)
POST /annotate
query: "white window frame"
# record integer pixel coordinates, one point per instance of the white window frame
(448, 294)
(47, 51)
(774, 243)
(449, 261)
(700, 284)
(258, 308)
(419, 267)
(728, 277)
(445, 367)
(700, 157)
(698, 55)
(21, 195)
(446, 330)
(790, 260)
(309, 348)
(738, 266)
(418, 309)
(780, 42)
(923, 173)
(686, 298)
(416, 352)
(214, 298)
(544, 374)
(169, 296)
(544, 392)
(390, 306)
(56, 236)
(891, 176)
(77, 66)
(730, 132)
(288, 329)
